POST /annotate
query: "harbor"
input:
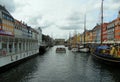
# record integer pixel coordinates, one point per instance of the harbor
(61, 67)
(65, 42)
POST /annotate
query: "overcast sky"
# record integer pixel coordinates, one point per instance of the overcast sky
(59, 17)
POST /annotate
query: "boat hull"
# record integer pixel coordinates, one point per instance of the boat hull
(106, 59)
(60, 50)
(85, 50)
(74, 49)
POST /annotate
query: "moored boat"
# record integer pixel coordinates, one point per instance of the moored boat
(84, 49)
(74, 49)
(60, 50)
(107, 55)
(107, 59)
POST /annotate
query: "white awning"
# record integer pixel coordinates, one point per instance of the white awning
(109, 42)
(117, 41)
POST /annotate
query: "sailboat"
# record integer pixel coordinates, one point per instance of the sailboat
(74, 43)
(84, 48)
(69, 42)
(104, 53)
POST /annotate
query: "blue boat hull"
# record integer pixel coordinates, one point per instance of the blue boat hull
(107, 59)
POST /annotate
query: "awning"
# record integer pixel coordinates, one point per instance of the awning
(109, 42)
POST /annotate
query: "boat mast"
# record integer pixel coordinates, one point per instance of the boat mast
(101, 20)
(69, 38)
(84, 28)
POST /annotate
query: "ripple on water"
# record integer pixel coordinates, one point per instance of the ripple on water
(65, 67)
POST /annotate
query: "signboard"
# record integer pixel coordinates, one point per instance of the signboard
(2, 32)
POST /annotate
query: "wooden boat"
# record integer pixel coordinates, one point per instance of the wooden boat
(83, 47)
(74, 49)
(106, 58)
(111, 56)
(60, 50)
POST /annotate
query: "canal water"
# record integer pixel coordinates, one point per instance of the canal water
(61, 67)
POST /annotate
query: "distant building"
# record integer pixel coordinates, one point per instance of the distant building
(59, 41)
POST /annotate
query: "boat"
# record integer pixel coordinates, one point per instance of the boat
(106, 55)
(107, 59)
(74, 49)
(69, 43)
(75, 44)
(83, 48)
(60, 50)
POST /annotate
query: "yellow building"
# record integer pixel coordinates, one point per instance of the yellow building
(7, 22)
(88, 36)
(78, 38)
(82, 38)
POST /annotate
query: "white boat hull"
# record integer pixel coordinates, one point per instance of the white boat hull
(74, 49)
(84, 49)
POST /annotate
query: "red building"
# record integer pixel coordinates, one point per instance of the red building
(117, 29)
(104, 32)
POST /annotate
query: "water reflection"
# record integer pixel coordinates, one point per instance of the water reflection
(65, 67)
(20, 73)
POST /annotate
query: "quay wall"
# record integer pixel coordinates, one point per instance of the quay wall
(12, 60)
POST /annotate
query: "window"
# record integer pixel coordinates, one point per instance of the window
(0, 21)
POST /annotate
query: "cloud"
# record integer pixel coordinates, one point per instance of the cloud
(38, 21)
(71, 27)
(115, 1)
(9, 4)
(34, 21)
(60, 18)
(74, 22)
(75, 16)
(46, 24)
(111, 5)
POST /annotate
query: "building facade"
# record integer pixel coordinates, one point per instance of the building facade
(104, 32)
(117, 29)
(110, 31)
(6, 22)
(16, 36)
